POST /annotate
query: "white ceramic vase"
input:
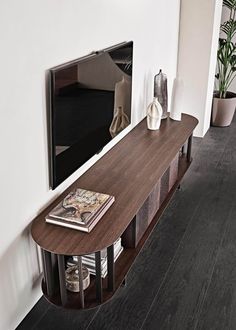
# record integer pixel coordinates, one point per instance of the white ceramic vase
(154, 113)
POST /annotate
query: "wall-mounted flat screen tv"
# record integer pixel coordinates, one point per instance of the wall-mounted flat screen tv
(89, 104)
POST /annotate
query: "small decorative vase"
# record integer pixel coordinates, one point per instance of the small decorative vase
(154, 113)
(160, 91)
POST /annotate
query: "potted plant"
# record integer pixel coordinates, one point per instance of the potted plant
(224, 101)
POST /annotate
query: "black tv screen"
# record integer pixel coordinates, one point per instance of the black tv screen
(89, 104)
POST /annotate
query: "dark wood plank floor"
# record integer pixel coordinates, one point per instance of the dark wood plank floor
(185, 276)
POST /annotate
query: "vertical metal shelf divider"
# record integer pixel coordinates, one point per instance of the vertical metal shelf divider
(62, 279)
(47, 271)
(81, 286)
(98, 268)
(110, 268)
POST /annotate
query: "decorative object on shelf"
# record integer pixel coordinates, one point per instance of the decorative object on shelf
(177, 99)
(224, 101)
(154, 113)
(120, 121)
(72, 278)
(160, 91)
(81, 209)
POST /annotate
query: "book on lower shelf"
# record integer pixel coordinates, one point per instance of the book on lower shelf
(89, 259)
(81, 209)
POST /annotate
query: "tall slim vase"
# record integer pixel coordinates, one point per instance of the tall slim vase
(160, 91)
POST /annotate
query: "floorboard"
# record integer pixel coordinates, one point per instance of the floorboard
(218, 311)
(180, 299)
(35, 315)
(62, 319)
(179, 302)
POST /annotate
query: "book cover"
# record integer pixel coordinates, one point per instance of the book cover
(80, 206)
(87, 225)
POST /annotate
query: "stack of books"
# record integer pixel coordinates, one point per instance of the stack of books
(89, 259)
(80, 209)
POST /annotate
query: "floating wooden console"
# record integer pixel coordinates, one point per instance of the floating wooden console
(142, 171)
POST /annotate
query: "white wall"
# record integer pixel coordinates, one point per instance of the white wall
(36, 35)
(199, 33)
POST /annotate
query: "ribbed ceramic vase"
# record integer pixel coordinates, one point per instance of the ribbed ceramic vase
(154, 113)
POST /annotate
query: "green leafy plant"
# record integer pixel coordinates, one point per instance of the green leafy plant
(226, 55)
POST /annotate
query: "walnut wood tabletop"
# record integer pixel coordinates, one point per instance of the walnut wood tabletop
(129, 171)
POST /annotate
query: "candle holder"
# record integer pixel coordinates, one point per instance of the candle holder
(72, 278)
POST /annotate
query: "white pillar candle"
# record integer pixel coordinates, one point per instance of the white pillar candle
(177, 99)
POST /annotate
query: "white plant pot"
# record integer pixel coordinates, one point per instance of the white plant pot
(223, 110)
